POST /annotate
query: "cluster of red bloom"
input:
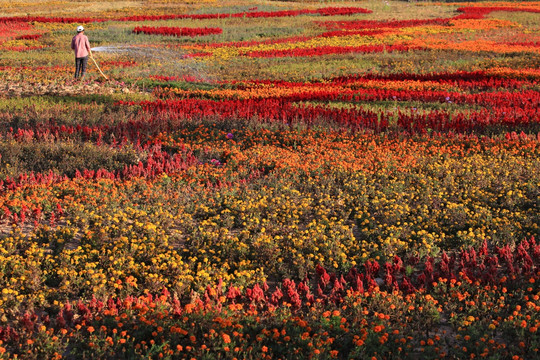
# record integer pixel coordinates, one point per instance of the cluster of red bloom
(176, 31)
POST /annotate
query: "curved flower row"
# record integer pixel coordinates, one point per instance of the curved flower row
(479, 12)
(326, 50)
(176, 31)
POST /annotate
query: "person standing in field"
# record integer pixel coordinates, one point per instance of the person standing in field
(81, 46)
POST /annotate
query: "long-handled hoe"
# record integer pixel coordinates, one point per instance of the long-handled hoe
(101, 72)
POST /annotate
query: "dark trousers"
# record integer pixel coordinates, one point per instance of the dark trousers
(80, 66)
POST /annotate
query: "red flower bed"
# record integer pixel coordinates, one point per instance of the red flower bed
(327, 50)
(378, 24)
(29, 37)
(9, 29)
(479, 12)
(176, 31)
(331, 11)
(269, 110)
(527, 44)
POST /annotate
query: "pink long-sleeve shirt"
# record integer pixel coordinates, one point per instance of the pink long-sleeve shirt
(80, 45)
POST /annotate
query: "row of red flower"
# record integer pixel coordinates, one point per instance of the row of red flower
(479, 12)
(286, 111)
(176, 31)
(527, 99)
(29, 37)
(478, 79)
(377, 24)
(327, 50)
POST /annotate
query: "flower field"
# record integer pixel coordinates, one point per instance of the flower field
(270, 180)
